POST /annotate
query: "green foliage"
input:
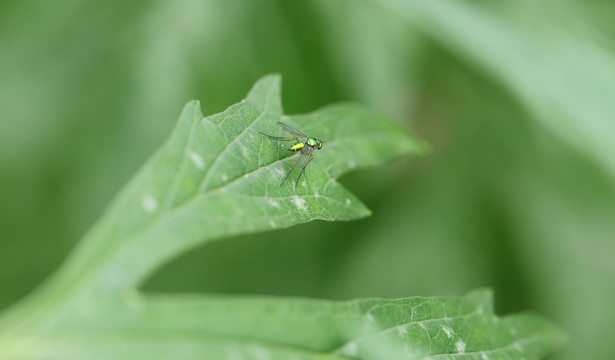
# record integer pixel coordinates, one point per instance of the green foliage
(513, 96)
(218, 177)
(188, 327)
(566, 82)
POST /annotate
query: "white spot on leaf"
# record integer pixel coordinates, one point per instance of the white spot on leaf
(279, 171)
(224, 177)
(149, 203)
(347, 201)
(274, 203)
(272, 223)
(197, 160)
(448, 331)
(299, 203)
(316, 194)
(460, 346)
(402, 331)
(484, 356)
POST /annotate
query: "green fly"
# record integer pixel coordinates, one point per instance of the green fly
(303, 144)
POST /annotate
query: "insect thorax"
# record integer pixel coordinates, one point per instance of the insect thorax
(312, 142)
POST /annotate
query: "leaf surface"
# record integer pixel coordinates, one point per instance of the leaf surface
(187, 327)
(217, 177)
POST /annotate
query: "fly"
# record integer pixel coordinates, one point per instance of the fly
(303, 144)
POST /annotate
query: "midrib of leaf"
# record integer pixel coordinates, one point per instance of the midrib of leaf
(475, 312)
(208, 172)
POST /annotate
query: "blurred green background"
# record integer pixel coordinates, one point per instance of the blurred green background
(517, 100)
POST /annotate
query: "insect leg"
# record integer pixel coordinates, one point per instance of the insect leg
(308, 158)
(291, 169)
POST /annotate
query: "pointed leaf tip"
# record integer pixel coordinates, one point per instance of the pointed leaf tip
(266, 94)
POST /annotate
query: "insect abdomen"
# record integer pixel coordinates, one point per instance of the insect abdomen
(296, 147)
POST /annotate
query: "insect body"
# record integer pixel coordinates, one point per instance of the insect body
(303, 144)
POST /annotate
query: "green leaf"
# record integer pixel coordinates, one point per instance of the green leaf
(218, 177)
(188, 327)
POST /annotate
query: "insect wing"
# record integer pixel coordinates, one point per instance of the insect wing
(292, 131)
(280, 138)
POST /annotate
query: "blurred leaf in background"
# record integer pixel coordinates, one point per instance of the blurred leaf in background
(516, 98)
